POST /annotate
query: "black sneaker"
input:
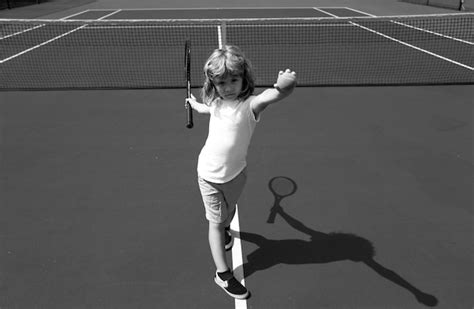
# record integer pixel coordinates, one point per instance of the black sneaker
(230, 285)
(228, 239)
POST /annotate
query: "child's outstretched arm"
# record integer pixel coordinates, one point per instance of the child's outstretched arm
(284, 86)
(198, 107)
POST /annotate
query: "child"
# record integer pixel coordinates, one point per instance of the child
(234, 111)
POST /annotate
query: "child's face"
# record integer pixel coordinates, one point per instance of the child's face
(229, 87)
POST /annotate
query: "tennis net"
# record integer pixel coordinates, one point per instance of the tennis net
(130, 54)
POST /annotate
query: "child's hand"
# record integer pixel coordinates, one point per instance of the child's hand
(192, 101)
(197, 106)
(286, 81)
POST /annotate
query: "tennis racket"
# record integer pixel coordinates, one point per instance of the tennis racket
(187, 70)
(281, 187)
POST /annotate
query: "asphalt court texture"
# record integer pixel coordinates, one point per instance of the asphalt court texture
(100, 205)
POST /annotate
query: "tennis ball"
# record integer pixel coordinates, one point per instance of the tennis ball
(286, 82)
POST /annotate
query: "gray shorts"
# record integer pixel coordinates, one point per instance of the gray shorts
(220, 198)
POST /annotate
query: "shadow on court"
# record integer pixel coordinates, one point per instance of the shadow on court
(322, 248)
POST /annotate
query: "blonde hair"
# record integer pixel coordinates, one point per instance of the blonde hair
(227, 61)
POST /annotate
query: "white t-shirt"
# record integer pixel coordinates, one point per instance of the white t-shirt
(231, 127)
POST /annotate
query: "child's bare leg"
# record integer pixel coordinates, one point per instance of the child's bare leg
(216, 242)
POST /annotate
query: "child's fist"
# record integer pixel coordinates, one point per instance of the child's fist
(191, 101)
(286, 81)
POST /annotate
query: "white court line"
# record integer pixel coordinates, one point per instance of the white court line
(105, 10)
(360, 12)
(98, 26)
(21, 32)
(406, 44)
(108, 15)
(215, 8)
(79, 13)
(42, 44)
(325, 12)
(416, 28)
(414, 47)
(330, 7)
(50, 40)
(295, 26)
(39, 26)
(237, 259)
(432, 32)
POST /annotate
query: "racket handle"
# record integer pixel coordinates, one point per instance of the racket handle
(189, 116)
(272, 216)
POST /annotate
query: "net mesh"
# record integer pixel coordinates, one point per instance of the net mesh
(126, 54)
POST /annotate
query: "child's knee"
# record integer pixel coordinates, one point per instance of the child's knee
(217, 225)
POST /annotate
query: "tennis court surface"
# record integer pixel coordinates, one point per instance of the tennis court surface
(99, 200)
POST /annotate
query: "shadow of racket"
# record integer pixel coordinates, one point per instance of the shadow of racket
(281, 187)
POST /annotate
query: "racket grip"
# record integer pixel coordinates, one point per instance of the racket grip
(189, 116)
(272, 216)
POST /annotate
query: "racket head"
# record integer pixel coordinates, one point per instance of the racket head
(187, 70)
(282, 186)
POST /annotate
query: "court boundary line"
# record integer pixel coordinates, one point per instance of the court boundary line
(322, 11)
(415, 47)
(360, 12)
(237, 257)
(237, 252)
(41, 44)
(21, 32)
(148, 26)
(284, 25)
(432, 32)
(79, 13)
(416, 28)
(50, 40)
(114, 12)
(405, 43)
(218, 8)
(39, 26)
